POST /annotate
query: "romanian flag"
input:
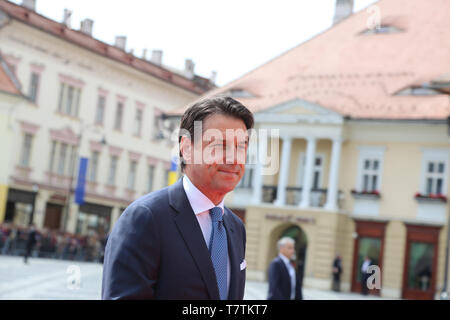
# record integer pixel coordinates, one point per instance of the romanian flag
(173, 174)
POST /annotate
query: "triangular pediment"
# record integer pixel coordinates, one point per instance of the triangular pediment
(299, 106)
(299, 110)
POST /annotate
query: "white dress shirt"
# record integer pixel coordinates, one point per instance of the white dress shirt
(365, 266)
(291, 271)
(201, 205)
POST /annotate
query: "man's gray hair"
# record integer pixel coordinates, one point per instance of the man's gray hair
(284, 241)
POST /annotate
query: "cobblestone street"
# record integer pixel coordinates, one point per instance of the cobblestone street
(50, 279)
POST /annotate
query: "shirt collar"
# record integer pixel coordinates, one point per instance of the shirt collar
(199, 202)
(284, 258)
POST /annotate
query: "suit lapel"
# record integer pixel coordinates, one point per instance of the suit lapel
(234, 259)
(286, 273)
(191, 232)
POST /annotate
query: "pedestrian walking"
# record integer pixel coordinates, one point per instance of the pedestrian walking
(365, 275)
(284, 283)
(337, 270)
(31, 241)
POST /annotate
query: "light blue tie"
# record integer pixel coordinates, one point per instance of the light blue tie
(218, 248)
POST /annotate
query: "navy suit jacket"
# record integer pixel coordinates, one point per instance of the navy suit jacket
(280, 282)
(156, 250)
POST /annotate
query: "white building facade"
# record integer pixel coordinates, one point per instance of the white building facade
(83, 104)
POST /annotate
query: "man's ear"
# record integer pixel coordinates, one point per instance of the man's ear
(186, 149)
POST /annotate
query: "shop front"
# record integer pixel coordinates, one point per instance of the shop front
(20, 207)
(93, 219)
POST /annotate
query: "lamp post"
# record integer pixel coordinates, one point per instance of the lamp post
(72, 176)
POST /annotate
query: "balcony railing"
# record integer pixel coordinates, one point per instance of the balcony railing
(318, 197)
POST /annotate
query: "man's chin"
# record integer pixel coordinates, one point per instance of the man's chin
(227, 185)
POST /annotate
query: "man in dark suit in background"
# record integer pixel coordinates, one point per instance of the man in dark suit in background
(284, 283)
(31, 241)
(181, 242)
(364, 275)
(337, 270)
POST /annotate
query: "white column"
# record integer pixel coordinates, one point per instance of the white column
(257, 173)
(308, 173)
(284, 171)
(332, 193)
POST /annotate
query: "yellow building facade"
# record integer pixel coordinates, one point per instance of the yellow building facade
(375, 169)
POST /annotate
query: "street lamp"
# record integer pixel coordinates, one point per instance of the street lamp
(72, 175)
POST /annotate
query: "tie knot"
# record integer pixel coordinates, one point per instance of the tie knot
(216, 214)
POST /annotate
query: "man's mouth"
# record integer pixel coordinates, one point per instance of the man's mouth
(229, 171)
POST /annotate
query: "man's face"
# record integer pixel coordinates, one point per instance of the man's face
(288, 250)
(217, 163)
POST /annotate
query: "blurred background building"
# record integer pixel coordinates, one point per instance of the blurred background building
(65, 96)
(362, 111)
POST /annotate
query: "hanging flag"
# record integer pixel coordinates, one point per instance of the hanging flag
(81, 181)
(173, 174)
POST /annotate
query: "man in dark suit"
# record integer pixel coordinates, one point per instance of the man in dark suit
(181, 242)
(364, 275)
(284, 282)
(337, 270)
(31, 241)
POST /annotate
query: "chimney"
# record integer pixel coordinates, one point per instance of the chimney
(121, 42)
(344, 8)
(157, 57)
(144, 54)
(67, 16)
(86, 26)
(29, 4)
(189, 68)
(213, 77)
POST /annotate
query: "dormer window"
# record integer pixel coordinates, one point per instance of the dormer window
(239, 93)
(382, 29)
(425, 89)
(418, 91)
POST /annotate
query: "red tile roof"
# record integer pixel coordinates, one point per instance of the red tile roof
(198, 85)
(358, 75)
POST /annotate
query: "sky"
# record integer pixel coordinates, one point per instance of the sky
(230, 37)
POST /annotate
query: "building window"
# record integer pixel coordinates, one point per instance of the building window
(434, 172)
(370, 169)
(119, 116)
(34, 85)
(151, 176)
(62, 158)
(100, 112)
(52, 156)
(317, 171)
(132, 175)
(112, 170)
(69, 100)
(138, 122)
(72, 162)
(26, 150)
(93, 167)
(370, 175)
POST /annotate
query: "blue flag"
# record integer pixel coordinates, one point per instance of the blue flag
(81, 181)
